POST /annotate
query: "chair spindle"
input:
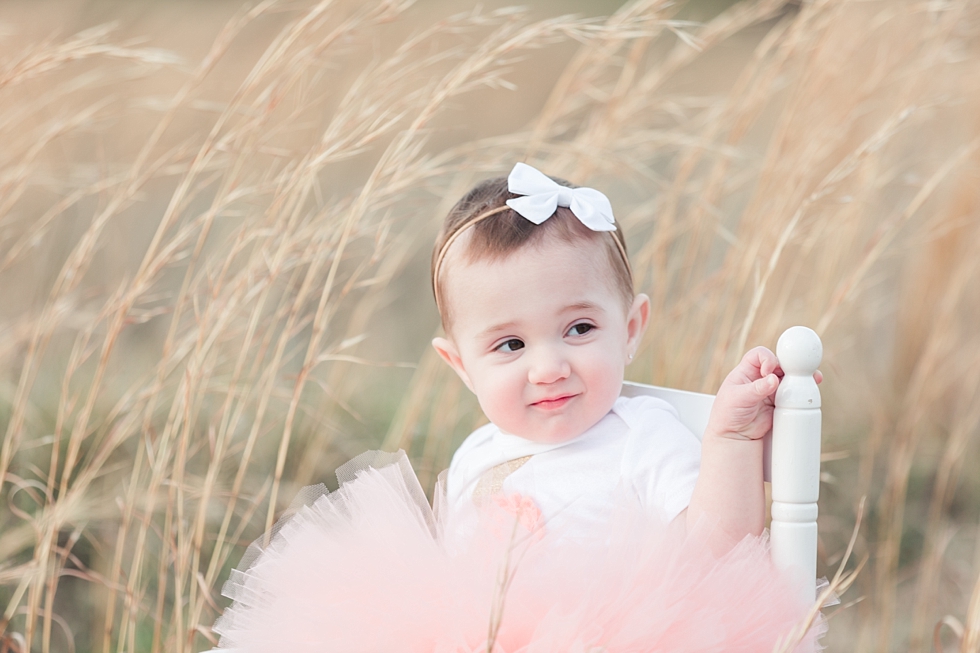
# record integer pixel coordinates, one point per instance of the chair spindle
(796, 459)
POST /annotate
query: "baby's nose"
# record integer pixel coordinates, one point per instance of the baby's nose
(548, 366)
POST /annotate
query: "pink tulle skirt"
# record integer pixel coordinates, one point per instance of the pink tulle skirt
(371, 568)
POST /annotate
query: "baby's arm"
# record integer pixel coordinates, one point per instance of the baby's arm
(729, 489)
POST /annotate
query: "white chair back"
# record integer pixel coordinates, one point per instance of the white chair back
(693, 408)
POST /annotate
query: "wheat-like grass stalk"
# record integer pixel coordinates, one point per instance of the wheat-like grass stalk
(201, 307)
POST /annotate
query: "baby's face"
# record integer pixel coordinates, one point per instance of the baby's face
(542, 337)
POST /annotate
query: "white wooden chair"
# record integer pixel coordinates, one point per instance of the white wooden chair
(791, 455)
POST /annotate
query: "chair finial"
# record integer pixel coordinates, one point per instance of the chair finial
(799, 351)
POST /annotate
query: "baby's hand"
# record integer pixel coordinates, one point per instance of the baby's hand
(744, 404)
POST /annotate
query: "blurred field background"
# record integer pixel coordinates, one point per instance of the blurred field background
(215, 224)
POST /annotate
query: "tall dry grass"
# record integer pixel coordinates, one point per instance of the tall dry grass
(214, 273)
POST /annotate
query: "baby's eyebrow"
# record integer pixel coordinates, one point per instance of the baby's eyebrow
(582, 306)
(496, 328)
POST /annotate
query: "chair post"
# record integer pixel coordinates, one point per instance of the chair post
(796, 459)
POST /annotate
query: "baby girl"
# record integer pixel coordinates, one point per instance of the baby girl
(536, 296)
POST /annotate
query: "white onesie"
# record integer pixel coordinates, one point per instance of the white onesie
(639, 447)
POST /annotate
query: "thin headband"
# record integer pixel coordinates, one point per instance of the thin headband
(452, 239)
(540, 198)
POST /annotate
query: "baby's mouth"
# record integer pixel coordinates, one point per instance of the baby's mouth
(554, 402)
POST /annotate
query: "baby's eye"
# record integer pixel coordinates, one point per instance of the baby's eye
(510, 345)
(580, 329)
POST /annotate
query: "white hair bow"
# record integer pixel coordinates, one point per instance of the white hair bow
(542, 196)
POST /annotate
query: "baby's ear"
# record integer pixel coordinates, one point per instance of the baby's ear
(636, 322)
(448, 352)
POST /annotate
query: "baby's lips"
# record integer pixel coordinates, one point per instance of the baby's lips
(553, 401)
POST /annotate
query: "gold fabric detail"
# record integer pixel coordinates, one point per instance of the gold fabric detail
(492, 481)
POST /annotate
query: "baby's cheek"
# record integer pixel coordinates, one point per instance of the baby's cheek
(609, 367)
(499, 400)
(606, 379)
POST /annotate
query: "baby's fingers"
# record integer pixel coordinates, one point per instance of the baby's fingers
(768, 363)
(765, 386)
(760, 362)
(747, 395)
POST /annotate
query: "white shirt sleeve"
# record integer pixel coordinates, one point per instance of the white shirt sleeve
(662, 457)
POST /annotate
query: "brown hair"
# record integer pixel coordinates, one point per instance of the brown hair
(505, 231)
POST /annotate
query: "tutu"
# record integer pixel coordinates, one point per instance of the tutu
(371, 568)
